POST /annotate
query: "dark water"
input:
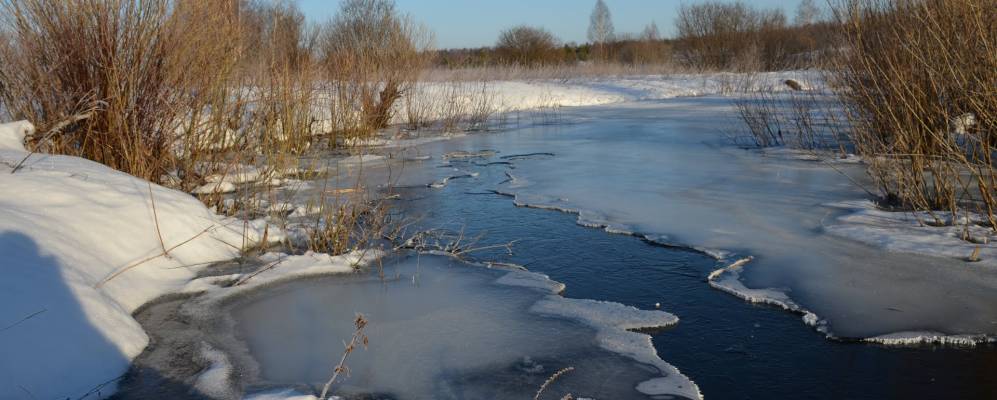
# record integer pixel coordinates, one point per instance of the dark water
(731, 349)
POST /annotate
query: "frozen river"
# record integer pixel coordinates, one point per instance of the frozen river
(673, 201)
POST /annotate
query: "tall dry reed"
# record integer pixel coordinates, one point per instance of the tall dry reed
(142, 66)
(919, 78)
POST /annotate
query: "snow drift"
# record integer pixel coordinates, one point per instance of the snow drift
(80, 252)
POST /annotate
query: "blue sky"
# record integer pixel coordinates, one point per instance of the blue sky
(473, 23)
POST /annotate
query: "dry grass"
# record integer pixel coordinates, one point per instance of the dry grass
(918, 77)
(557, 375)
(142, 66)
(192, 93)
(740, 36)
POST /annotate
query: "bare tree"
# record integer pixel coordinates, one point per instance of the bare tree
(600, 27)
(527, 45)
(717, 35)
(808, 12)
(376, 53)
(651, 32)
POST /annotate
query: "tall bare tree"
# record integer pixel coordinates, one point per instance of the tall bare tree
(808, 12)
(377, 53)
(600, 27)
(651, 32)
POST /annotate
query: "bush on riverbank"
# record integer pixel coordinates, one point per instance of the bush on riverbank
(918, 77)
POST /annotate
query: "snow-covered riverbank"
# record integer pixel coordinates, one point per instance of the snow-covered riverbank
(85, 246)
(80, 252)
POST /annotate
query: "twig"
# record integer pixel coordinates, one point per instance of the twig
(854, 182)
(143, 261)
(155, 218)
(26, 391)
(56, 129)
(556, 376)
(97, 389)
(257, 272)
(358, 338)
(34, 314)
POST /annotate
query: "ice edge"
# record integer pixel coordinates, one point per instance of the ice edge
(727, 279)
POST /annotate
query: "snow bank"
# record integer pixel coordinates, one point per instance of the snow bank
(522, 95)
(12, 135)
(80, 252)
(910, 232)
(215, 381)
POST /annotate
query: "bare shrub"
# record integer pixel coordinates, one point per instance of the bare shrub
(737, 36)
(482, 108)
(646, 49)
(716, 35)
(911, 68)
(762, 115)
(797, 116)
(527, 46)
(420, 105)
(142, 66)
(372, 55)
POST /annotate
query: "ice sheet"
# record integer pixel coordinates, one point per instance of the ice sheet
(666, 171)
(443, 329)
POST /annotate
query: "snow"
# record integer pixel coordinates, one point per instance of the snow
(215, 187)
(215, 381)
(81, 253)
(362, 159)
(728, 279)
(12, 135)
(930, 338)
(909, 232)
(532, 280)
(508, 96)
(283, 394)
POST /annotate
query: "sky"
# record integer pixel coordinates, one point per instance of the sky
(476, 23)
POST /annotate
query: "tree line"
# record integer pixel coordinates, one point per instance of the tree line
(709, 36)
